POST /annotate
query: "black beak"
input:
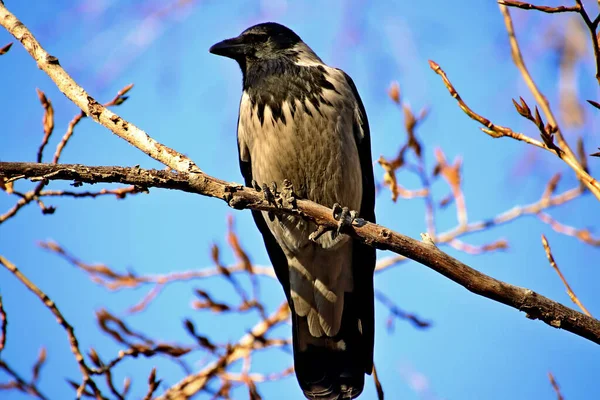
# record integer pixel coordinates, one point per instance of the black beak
(232, 48)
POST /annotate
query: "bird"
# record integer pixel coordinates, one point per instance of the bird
(303, 121)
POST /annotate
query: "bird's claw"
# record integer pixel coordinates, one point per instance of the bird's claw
(287, 198)
(345, 218)
(269, 193)
(282, 199)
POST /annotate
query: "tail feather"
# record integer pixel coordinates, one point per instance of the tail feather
(330, 368)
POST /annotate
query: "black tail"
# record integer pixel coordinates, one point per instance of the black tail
(334, 367)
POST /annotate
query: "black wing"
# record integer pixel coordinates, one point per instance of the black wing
(278, 259)
(363, 256)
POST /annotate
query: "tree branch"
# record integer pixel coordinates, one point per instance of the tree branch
(568, 157)
(92, 108)
(239, 197)
(191, 385)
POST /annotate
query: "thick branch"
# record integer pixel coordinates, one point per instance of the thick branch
(535, 305)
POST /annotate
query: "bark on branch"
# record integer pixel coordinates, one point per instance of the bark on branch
(237, 196)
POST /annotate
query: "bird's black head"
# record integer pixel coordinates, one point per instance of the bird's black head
(264, 41)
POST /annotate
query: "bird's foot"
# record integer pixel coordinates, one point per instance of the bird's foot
(287, 197)
(345, 218)
(269, 195)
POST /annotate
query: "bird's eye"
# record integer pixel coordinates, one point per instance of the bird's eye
(256, 38)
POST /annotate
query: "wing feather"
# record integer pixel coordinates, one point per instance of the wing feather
(363, 256)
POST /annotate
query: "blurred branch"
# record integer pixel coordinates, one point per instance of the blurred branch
(19, 383)
(238, 197)
(5, 49)
(578, 8)
(380, 394)
(3, 325)
(555, 386)
(396, 312)
(582, 234)
(570, 292)
(194, 383)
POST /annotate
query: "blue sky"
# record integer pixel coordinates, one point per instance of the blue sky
(187, 99)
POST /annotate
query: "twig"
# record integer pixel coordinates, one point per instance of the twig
(570, 292)
(152, 384)
(85, 371)
(592, 27)
(3, 326)
(582, 234)
(555, 386)
(193, 384)
(120, 127)
(38, 192)
(512, 214)
(19, 383)
(47, 122)
(377, 382)
(500, 244)
(452, 175)
(117, 100)
(5, 49)
(569, 157)
(495, 131)
(395, 311)
(37, 367)
(546, 9)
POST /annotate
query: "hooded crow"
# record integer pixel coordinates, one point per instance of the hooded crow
(303, 121)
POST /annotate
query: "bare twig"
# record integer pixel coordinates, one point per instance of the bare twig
(3, 325)
(196, 382)
(47, 122)
(495, 131)
(396, 312)
(120, 127)
(592, 28)
(378, 386)
(555, 386)
(569, 157)
(19, 383)
(85, 371)
(570, 292)
(546, 9)
(152, 384)
(582, 234)
(35, 194)
(5, 49)
(117, 100)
